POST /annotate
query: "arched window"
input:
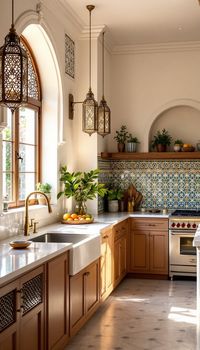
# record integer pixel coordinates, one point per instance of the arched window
(21, 140)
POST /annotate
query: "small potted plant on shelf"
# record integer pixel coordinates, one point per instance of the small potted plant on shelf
(161, 140)
(81, 186)
(114, 196)
(46, 188)
(131, 144)
(121, 138)
(178, 145)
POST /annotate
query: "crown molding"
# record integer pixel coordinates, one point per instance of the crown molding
(95, 32)
(156, 48)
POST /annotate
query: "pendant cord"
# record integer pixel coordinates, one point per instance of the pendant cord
(90, 54)
(103, 66)
(12, 13)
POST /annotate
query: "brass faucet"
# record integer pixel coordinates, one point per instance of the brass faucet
(26, 220)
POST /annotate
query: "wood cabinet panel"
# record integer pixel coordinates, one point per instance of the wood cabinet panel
(84, 296)
(121, 251)
(159, 252)
(149, 224)
(149, 246)
(139, 257)
(57, 302)
(9, 317)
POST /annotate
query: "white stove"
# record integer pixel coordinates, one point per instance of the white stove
(182, 255)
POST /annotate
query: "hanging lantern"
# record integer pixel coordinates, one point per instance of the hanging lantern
(13, 70)
(103, 118)
(90, 105)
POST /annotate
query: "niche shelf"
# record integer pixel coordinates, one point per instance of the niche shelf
(150, 155)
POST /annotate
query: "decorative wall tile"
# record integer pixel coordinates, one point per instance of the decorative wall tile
(163, 184)
(69, 56)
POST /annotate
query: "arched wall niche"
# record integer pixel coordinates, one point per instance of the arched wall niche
(181, 118)
(42, 43)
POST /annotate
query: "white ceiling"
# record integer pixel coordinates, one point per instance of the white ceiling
(132, 22)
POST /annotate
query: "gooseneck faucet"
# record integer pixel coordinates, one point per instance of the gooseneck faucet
(26, 220)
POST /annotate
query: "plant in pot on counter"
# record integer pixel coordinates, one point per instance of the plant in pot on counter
(178, 145)
(46, 188)
(121, 138)
(131, 144)
(114, 195)
(161, 140)
(81, 186)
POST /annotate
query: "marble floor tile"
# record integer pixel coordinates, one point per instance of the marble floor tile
(143, 315)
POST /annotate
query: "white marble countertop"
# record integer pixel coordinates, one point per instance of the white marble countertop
(15, 262)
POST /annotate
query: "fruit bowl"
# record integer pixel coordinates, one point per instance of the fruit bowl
(188, 149)
(75, 219)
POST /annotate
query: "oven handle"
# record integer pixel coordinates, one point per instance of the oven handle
(180, 233)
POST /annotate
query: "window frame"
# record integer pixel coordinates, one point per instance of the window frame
(36, 105)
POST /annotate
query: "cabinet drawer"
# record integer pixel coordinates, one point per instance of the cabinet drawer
(120, 230)
(149, 224)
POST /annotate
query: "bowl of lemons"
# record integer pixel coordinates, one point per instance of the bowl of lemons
(77, 219)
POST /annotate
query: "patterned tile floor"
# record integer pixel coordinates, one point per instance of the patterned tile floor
(143, 315)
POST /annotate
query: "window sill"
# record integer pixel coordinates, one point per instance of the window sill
(22, 209)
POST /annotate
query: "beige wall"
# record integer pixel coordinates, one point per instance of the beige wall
(145, 84)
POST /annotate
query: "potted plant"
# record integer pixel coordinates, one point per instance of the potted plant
(46, 188)
(121, 137)
(161, 140)
(131, 144)
(81, 186)
(114, 195)
(178, 145)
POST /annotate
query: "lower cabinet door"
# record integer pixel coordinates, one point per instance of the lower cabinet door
(139, 258)
(123, 256)
(116, 262)
(91, 281)
(31, 334)
(159, 253)
(76, 301)
(57, 302)
(9, 337)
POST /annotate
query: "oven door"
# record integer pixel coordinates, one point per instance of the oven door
(182, 251)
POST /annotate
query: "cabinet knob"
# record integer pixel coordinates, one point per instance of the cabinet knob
(106, 236)
(87, 273)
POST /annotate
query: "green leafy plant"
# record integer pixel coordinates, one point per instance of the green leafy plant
(178, 142)
(130, 138)
(43, 187)
(81, 186)
(115, 194)
(161, 138)
(121, 135)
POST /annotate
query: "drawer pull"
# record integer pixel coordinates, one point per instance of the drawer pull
(152, 225)
(106, 236)
(87, 273)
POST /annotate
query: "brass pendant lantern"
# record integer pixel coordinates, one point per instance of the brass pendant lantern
(90, 105)
(103, 118)
(13, 70)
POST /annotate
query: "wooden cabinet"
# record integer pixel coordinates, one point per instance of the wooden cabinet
(57, 302)
(106, 263)
(121, 251)
(84, 296)
(149, 246)
(22, 313)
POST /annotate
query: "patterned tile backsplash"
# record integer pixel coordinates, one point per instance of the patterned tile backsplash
(163, 184)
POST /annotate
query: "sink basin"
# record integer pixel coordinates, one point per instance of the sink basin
(60, 238)
(85, 248)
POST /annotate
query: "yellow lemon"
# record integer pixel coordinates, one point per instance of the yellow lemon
(66, 216)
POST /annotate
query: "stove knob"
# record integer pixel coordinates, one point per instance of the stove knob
(194, 225)
(173, 224)
(183, 224)
(188, 225)
(178, 225)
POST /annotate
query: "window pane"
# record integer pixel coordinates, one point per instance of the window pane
(27, 121)
(27, 163)
(7, 156)
(7, 185)
(26, 185)
(7, 132)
